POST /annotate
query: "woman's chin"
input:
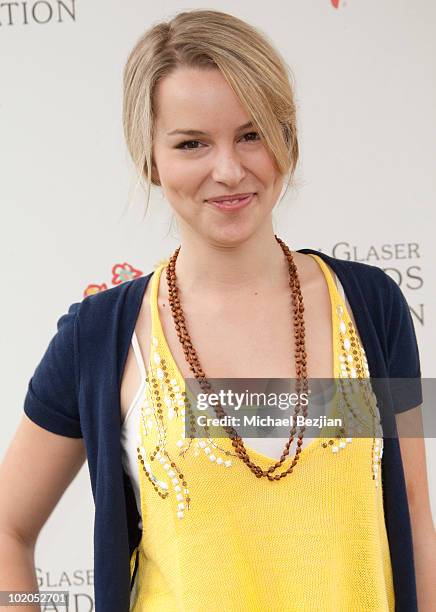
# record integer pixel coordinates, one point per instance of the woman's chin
(230, 234)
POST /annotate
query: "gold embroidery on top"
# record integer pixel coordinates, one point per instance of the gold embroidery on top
(164, 402)
(354, 365)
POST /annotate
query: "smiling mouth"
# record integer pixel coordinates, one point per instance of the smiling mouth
(232, 203)
(231, 197)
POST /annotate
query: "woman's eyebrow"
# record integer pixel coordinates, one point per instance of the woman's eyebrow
(200, 133)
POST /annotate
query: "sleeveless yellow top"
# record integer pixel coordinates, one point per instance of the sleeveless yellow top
(216, 538)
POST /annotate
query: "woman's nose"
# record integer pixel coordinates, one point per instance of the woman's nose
(228, 168)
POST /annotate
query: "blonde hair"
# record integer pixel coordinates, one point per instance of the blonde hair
(256, 72)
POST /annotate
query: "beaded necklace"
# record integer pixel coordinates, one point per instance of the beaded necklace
(166, 399)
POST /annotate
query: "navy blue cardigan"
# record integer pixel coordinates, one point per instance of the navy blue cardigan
(75, 392)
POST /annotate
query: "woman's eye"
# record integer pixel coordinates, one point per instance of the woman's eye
(192, 144)
(252, 134)
(183, 145)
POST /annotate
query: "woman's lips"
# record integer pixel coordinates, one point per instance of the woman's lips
(235, 204)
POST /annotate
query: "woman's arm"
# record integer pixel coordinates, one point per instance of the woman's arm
(423, 531)
(36, 470)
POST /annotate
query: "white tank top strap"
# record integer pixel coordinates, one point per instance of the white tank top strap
(138, 355)
(134, 405)
(340, 287)
(347, 304)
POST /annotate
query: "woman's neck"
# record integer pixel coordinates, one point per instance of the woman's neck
(204, 268)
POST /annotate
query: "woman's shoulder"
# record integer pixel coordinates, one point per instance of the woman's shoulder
(110, 301)
(104, 319)
(352, 271)
(370, 290)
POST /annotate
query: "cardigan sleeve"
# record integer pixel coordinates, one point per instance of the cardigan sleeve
(51, 398)
(403, 354)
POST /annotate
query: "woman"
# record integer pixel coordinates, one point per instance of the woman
(223, 523)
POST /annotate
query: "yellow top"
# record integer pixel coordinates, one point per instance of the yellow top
(215, 537)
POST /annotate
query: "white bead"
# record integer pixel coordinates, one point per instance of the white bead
(348, 439)
(202, 444)
(167, 466)
(160, 373)
(341, 358)
(207, 450)
(173, 381)
(161, 459)
(180, 506)
(227, 463)
(180, 514)
(219, 460)
(334, 449)
(186, 491)
(179, 443)
(175, 481)
(350, 358)
(156, 358)
(155, 341)
(171, 413)
(347, 344)
(212, 457)
(342, 444)
(342, 327)
(171, 473)
(162, 484)
(179, 497)
(177, 488)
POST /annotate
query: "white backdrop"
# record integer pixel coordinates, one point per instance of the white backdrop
(364, 74)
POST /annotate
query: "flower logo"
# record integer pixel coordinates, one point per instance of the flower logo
(93, 288)
(121, 273)
(124, 272)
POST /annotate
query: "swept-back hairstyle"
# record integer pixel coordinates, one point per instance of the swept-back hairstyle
(256, 72)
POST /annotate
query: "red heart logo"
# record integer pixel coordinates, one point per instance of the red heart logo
(335, 3)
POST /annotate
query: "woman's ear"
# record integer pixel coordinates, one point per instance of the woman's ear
(154, 174)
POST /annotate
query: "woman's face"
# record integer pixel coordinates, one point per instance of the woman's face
(204, 148)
